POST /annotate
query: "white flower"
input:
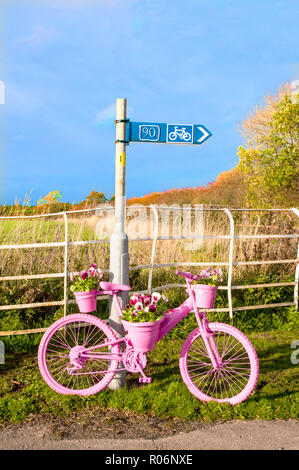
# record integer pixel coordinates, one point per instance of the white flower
(100, 273)
(165, 298)
(138, 306)
(156, 296)
(146, 309)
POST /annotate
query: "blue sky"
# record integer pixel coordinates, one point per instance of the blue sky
(185, 61)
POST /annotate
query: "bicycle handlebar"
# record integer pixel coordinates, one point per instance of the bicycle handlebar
(188, 275)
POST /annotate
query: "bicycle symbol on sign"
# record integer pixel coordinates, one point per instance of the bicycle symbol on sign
(179, 134)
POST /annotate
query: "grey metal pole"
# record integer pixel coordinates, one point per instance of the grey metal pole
(119, 253)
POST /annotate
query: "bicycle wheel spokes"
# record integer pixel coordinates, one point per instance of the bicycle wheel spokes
(64, 363)
(232, 378)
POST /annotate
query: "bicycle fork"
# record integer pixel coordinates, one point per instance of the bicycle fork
(208, 338)
(206, 332)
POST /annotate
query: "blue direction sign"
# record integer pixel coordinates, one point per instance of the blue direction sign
(162, 133)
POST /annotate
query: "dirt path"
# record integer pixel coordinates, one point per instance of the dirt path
(132, 433)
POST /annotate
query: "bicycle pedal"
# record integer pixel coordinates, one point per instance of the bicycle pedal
(145, 380)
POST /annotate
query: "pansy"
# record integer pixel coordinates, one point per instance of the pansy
(100, 272)
(92, 271)
(139, 306)
(152, 308)
(147, 300)
(156, 296)
(86, 280)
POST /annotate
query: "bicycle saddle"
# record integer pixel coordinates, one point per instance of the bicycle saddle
(114, 287)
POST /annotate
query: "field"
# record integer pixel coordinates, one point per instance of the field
(24, 394)
(272, 331)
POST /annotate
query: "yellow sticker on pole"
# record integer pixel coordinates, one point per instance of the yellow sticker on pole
(122, 159)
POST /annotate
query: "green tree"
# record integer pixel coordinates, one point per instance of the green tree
(269, 161)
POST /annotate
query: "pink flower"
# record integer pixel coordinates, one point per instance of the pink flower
(93, 266)
(92, 271)
(152, 308)
(100, 273)
(156, 296)
(134, 299)
(147, 299)
(139, 306)
(84, 274)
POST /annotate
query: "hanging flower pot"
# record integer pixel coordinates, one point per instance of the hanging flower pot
(143, 335)
(205, 295)
(85, 287)
(86, 300)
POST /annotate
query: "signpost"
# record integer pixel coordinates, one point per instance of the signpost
(146, 132)
(162, 133)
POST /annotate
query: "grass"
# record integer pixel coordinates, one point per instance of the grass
(23, 392)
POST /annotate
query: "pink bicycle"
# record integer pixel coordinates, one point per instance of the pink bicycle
(80, 354)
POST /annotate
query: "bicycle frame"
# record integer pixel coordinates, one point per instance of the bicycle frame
(169, 321)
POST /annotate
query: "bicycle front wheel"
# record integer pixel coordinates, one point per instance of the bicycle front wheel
(63, 360)
(234, 379)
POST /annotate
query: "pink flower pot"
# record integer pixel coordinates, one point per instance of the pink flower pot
(86, 300)
(143, 335)
(205, 295)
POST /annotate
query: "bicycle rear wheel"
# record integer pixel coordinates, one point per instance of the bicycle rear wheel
(64, 363)
(235, 377)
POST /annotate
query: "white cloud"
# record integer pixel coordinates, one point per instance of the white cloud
(24, 100)
(38, 37)
(2, 92)
(106, 114)
(62, 4)
(18, 137)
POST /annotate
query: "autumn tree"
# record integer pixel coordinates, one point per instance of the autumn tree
(50, 198)
(94, 199)
(269, 159)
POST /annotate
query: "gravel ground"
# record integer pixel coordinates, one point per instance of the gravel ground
(129, 431)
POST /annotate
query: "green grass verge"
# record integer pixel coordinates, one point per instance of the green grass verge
(23, 392)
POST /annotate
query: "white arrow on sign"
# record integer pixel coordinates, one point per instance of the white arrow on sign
(204, 133)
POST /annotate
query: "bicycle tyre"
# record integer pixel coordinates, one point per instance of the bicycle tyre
(172, 136)
(56, 344)
(235, 380)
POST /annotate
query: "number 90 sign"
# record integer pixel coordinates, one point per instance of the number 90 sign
(149, 133)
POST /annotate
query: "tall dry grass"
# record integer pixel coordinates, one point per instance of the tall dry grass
(92, 225)
(89, 226)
